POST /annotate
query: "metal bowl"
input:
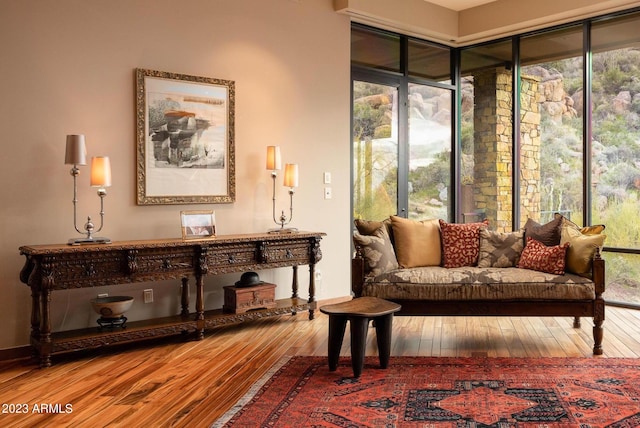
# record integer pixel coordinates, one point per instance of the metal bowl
(112, 306)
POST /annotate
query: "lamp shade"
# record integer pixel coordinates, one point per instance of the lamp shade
(273, 158)
(100, 171)
(76, 150)
(291, 175)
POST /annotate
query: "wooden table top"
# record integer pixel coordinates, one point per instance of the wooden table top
(362, 307)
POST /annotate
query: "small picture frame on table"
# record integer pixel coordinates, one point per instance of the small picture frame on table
(199, 224)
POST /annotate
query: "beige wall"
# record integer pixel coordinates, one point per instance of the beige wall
(67, 67)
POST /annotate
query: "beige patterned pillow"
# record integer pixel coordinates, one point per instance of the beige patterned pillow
(377, 251)
(500, 249)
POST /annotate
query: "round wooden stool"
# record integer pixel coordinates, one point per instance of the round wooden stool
(359, 312)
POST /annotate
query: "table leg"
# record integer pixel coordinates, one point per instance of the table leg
(383, 336)
(337, 327)
(359, 327)
(46, 344)
(199, 307)
(185, 297)
(312, 289)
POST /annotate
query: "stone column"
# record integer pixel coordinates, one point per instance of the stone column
(493, 160)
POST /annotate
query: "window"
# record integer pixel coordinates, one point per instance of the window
(486, 124)
(402, 126)
(375, 150)
(551, 131)
(615, 150)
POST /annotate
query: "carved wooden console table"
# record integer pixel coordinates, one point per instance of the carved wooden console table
(64, 267)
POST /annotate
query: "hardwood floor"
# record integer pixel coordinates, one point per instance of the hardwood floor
(190, 384)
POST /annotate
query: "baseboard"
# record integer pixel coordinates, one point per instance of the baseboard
(18, 353)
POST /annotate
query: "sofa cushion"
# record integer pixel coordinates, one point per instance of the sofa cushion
(582, 248)
(460, 243)
(417, 243)
(377, 251)
(500, 249)
(548, 233)
(474, 283)
(537, 256)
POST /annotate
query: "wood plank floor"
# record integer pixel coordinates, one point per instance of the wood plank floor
(190, 384)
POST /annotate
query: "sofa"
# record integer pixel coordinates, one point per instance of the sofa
(433, 267)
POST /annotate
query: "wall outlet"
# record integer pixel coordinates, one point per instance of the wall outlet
(148, 295)
(327, 192)
(102, 295)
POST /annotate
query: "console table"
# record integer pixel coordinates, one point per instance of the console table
(63, 267)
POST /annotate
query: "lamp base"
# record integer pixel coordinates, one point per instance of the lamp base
(92, 240)
(284, 230)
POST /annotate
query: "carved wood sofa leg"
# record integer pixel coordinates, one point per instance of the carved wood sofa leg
(576, 322)
(598, 334)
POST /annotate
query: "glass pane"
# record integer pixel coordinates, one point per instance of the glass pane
(551, 131)
(622, 276)
(486, 135)
(375, 150)
(429, 61)
(429, 152)
(616, 130)
(375, 49)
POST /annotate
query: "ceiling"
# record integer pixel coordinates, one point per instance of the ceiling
(459, 23)
(459, 5)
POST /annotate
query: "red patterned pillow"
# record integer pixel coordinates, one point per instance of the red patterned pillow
(537, 256)
(460, 243)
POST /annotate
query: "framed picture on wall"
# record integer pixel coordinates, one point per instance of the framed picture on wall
(185, 150)
(198, 224)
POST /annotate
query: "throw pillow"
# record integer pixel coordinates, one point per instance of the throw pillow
(417, 243)
(582, 248)
(537, 256)
(548, 233)
(460, 243)
(367, 227)
(377, 251)
(587, 230)
(500, 249)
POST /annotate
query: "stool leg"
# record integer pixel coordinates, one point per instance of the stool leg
(359, 326)
(337, 326)
(383, 336)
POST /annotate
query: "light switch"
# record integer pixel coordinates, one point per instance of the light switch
(327, 178)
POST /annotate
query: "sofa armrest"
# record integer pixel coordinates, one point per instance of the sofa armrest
(357, 272)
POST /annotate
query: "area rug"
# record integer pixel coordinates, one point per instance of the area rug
(445, 392)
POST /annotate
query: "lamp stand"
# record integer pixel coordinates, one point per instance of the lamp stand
(88, 226)
(282, 221)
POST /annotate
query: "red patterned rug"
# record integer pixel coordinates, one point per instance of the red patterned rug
(445, 392)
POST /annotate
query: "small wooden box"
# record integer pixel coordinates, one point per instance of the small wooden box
(238, 300)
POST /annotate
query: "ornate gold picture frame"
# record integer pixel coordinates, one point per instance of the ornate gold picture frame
(185, 152)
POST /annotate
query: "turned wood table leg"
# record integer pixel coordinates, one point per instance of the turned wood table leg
(312, 290)
(184, 300)
(45, 329)
(199, 307)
